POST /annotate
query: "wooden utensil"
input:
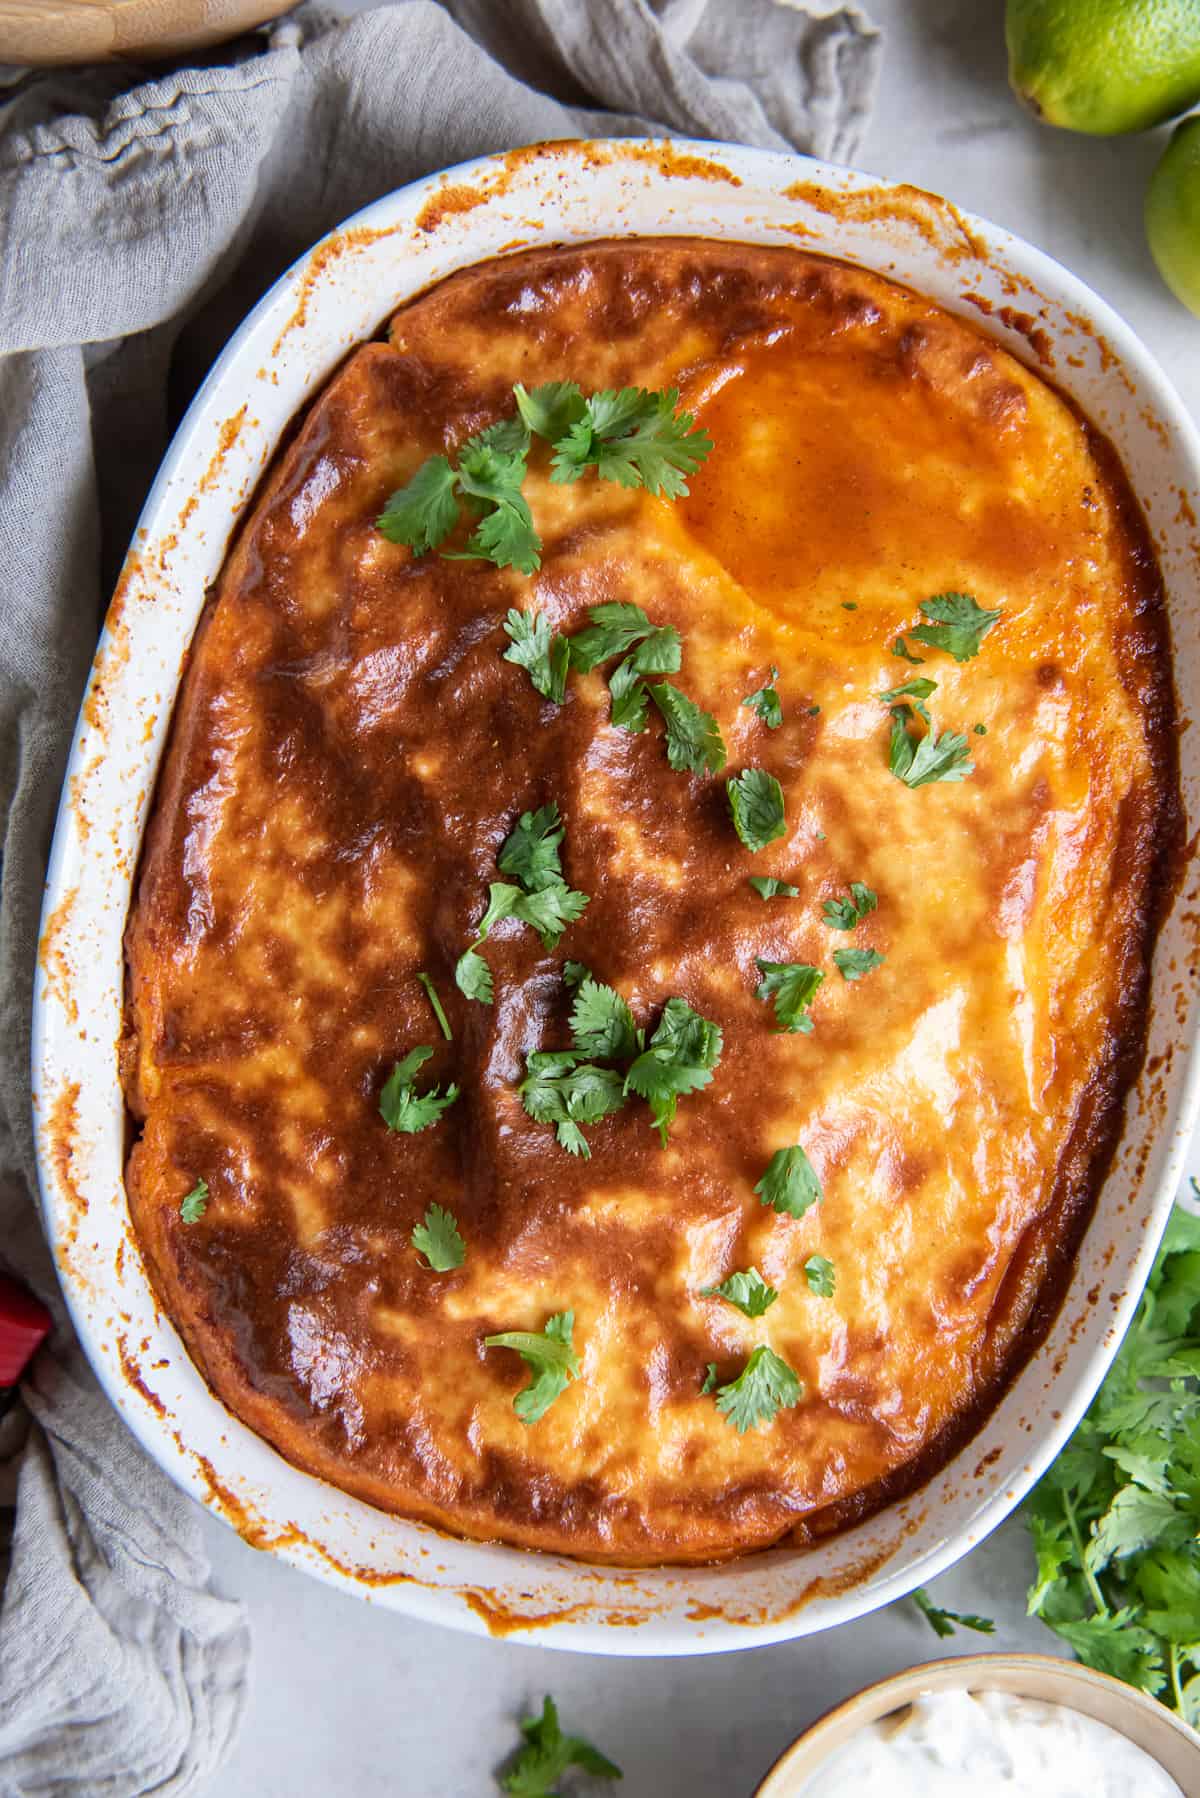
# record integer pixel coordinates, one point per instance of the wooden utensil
(40, 32)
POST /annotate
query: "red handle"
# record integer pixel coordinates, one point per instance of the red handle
(24, 1325)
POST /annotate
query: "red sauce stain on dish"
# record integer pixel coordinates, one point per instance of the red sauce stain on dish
(132, 1375)
(935, 220)
(61, 1130)
(1034, 334)
(323, 258)
(503, 1621)
(52, 956)
(449, 202)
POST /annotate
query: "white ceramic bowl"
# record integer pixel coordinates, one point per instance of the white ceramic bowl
(337, 295)
(1162, 1735)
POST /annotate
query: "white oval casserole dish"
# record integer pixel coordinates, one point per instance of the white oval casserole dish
(335, 297)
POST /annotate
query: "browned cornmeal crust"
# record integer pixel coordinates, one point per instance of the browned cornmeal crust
(350, 750)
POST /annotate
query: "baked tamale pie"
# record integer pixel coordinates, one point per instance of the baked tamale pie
(643, 932)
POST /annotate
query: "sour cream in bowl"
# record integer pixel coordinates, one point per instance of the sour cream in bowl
(996, 1726)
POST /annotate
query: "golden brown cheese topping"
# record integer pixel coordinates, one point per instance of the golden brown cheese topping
(351, 750)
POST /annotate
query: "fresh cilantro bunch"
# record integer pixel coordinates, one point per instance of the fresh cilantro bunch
(541, 897)
(635, 437)
(548, 1753)
(1115, 1520)
(550, 1355)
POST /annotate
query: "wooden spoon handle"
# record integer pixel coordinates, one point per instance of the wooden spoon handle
(39, 32)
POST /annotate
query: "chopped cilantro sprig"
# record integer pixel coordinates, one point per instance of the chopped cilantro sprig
(1115, 1519)
(547, 1754)
(765, 1386)
(550, 1356)
(402, 1107)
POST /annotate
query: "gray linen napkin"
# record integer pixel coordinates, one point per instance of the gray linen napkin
(138, 223)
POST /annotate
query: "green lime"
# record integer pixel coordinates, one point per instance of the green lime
(1104, 66)
(1173, 213)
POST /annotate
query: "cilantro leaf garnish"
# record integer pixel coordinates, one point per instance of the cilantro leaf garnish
(960, 624)
(679, 1059)
(792, 985)
(844, 914)
(491, 468)
(435, 1002)
(562, 1090)
(194, 1204)
(901, 650)
(765, 1386)
(618, 627)
(549, 411)
(602, 1023)
(551, 1357)
(574, 972)
(767, 887)
(1114, 1520)
(694, 743)
(550, 910)
(917, 690)
(636, 438)
(748, 1291)
(400, 1105)
(530, 851)
(627, 691)
(919, 760)
(790, 1184)
(943, 1622)
(821, 1277)
(423, 513)
(548, 1753)
(756, 807)
(765, 701)
(540, 651)
(440, 1240)
(473, 977)
(854, 963)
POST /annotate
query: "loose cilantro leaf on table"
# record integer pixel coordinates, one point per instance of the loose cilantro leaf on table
(919, 760)
(959, 624)
(790, 1184)
(440, 1240)
(854, 963)
(195, 1203)
(542, 653)
(1114, 1520)
(943, 1622)
(636, 438)
(756, 806)
(765, 701)
(551, 1357)
(402, 1107)
(547, 1755)
(602, 1023)
(767, 887)
(792, 985)
(679, 1059)
(748, 1291)
(694, 743)
(844, 914)
(821, 1277)
(765, 1386)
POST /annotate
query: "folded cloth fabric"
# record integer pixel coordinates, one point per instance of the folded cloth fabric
(139, 220)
